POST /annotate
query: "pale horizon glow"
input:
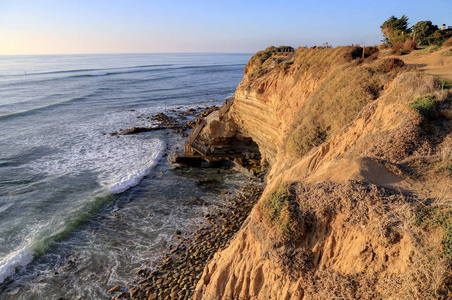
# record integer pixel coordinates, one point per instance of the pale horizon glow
(30, 27)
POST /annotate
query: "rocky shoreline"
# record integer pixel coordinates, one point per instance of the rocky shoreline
(180, 269)
(173, 119)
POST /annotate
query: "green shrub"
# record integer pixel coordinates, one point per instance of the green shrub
(424, 29)
(257, 60)
(274, 202)
(281, 211)
(425, 106)
(285, 49)
(271, 49)
(395, 29)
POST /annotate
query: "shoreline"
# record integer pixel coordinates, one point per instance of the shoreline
(176, 273)
(179, 271)
(173, 125)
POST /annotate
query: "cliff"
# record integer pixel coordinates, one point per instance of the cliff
(357, 203)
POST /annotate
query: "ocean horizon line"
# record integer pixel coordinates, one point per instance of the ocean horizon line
(123, 53)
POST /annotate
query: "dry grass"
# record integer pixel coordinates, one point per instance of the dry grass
(312, 60)
(316, 121)
(442, 94)
(431, 271)
(409, 45)
(447, 43)
(444, 164)
(414, 85)
(387, 215)
(362, 203)
(445, 196)
(445, 153)
(396, 49)
(433, 162)
(317, 62)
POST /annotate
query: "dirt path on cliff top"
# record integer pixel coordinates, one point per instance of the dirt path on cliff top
(437, 63)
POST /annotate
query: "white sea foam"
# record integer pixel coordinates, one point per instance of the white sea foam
(120, 166)
(118, 162)
(14, 260)
(127, 181)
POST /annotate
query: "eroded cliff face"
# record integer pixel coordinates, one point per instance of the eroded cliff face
(265, 106)
(340, 214)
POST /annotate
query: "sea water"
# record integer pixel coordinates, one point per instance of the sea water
(81, 209)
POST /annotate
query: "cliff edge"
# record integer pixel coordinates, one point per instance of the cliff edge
(358, 195)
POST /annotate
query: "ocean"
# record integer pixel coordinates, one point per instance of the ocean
(80, 209)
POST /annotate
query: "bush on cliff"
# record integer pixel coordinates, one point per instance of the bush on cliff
(401, 48)
(259, 59)
(359, 52)
(281, 211)
(425, 106)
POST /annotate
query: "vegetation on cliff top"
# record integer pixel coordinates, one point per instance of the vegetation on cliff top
(399, 35)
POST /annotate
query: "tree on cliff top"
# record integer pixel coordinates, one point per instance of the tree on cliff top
(424, 30)
(395, 30)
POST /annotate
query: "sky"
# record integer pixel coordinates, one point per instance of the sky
(146, 26)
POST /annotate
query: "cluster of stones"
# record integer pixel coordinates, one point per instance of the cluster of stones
(165, 121)
(176, 277)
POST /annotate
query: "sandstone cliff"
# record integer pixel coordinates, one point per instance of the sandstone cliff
(357, 203)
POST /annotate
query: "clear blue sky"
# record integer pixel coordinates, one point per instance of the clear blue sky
(124, 26)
